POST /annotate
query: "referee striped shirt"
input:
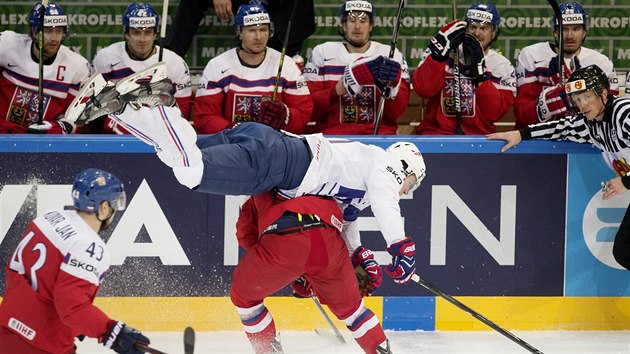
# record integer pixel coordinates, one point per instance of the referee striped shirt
(611, 135)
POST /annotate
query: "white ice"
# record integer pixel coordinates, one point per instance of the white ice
(402, 342)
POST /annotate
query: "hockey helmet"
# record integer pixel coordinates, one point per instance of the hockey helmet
(251, 14)
(483, 13)
(53, 16)
(140, 15)
(357, 6)
(572, 14)
(93, 186)
(411, 159)
(589, 78)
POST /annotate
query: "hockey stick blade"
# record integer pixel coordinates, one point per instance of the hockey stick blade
(148, 349)
(189, 340)
(327, 318)
(437, 291)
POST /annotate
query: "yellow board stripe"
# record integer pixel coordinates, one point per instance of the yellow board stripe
(216, 313)
(536, 313)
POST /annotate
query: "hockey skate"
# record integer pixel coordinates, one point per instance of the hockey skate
(276, 347)
(97, 98)
(384, 348)
(150, 87)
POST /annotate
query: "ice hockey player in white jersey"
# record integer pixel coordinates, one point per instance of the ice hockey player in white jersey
(540, 95)
(136, 53)
(238, 85)
(603, 120)
(346, 91)
(63, 73)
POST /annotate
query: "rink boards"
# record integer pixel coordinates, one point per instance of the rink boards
(522, 237)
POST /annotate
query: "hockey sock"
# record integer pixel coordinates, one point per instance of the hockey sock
(259, 327)
(367, 331)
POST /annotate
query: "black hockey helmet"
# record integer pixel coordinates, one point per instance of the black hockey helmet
(589, 78)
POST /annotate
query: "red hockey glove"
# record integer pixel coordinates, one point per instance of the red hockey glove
(361, 72)
(363, 257)
(403, 264)
(302, 288)
(449, 37)
(552, 103)
(62, 125)
(273, 113)
(123, 339)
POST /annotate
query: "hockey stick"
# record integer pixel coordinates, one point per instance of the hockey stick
(558, 13)
(40, 47)
(189, 340)
(392, 50)
(437, 291)
(457, 89)
(148, 349)
(163, 28)
(330, 322)
(284, 49)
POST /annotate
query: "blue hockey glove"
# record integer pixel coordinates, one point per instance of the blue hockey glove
(361, 72)
(364, 258)
(403, 264)
(554, 73)
(123, 339)
(474, 59)
(388, 77)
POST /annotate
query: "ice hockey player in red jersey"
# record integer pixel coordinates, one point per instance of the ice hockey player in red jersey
(64, 72)
(285, 240)
(56, 270)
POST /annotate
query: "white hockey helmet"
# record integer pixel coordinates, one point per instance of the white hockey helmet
(411, 159)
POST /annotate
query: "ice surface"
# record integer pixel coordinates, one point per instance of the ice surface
(402, 342)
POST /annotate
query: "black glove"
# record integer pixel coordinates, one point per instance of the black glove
(449, 38)
(123, 339)
(474, 58)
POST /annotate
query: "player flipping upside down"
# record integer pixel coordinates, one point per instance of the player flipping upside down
(253, 158)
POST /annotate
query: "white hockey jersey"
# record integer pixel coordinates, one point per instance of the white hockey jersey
(19, 82)
(345, 115)
(230, 92)
(357, 176)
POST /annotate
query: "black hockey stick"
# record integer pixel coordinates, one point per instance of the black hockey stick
(189, 340)
(40, 47)
(457, 90)
(558, 13)
(330, 322)
(148, 349)
(163, 28)
(392, 50)
(284, 50)
(437, 291)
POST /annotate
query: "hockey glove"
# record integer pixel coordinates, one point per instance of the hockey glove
(62, 125)
(552, 103)
(449, 37)
(275, 114)
(361, 72)
(554, 73)
(364, 258)
(474, 59)
(389, 78)
(123, 339)
(403, 264)
(302, 288)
